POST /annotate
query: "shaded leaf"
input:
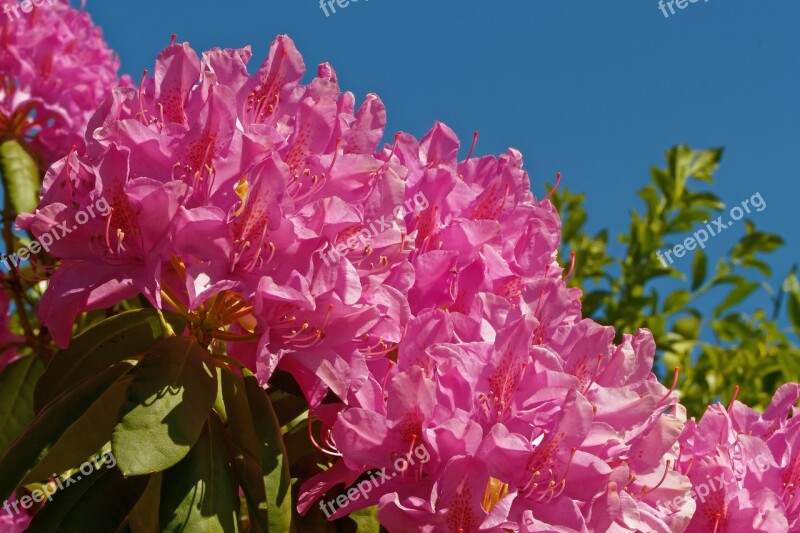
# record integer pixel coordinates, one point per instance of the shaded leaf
(166, 407)
(111, 341)
(100, 501)
(199, 493)
(274, 457)
(17, 383)
(49, 424)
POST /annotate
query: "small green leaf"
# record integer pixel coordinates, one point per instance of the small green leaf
(687, 327)
(739, 292)
(109, 342)
(699, 269)
(676, 301)
(199, 493)
(20, 177)
(793, 304)
(16, 397)
(166, 407)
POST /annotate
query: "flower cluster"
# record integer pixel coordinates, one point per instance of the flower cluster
(444, 321)
(755, 459)
(532, 416)
(55, 69)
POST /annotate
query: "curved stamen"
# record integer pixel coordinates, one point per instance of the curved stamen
(472, 148)
(733, 400)
(572, 266)
(645, 489)
(676, 372)
(555, 187)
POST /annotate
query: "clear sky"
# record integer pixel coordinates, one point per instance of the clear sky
(596, 90)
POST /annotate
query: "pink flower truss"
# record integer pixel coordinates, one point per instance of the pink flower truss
(55, 69)
(745, 466)
(532, 417)
(220, 182)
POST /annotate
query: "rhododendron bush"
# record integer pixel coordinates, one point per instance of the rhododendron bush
(283, 323)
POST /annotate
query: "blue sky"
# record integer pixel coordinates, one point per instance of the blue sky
(596, 90)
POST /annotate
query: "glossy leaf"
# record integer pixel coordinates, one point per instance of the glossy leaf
(246, 450)
(85, 436)
(199, 493)
(166, 407)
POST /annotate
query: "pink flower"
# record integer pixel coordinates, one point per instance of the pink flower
(562, 443)
(55, 69)
(745, 466)
(11, 522)
(224, 187)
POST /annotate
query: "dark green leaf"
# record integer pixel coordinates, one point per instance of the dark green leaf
(274, 457)
(246, 450)
(100, 501)
(199, 493)
(699, 269)
(49, 425)
(793, 304)
(109, 342)
(17, 383)
(85, 436)
(143, 517)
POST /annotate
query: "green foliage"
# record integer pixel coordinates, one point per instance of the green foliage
(185, 429)
(16, 397)
(634, 289)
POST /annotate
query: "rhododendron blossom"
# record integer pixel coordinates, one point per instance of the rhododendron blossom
(55, 69)
(755, 459)
(524, 406)
(415, 297)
